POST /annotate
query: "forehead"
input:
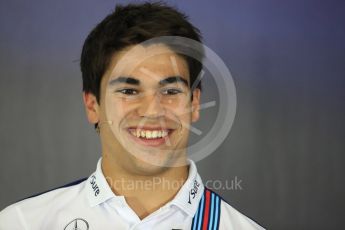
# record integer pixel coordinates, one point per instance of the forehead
(152, 62)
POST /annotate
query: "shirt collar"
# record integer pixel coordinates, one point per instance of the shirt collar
(189, 195)
(98, 188)
(187, 198)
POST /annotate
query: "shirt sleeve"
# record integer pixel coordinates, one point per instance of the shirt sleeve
(11, 218)
(231, 219)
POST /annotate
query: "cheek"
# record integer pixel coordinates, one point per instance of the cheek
(116, 108)
(181, 112)
(179, 104)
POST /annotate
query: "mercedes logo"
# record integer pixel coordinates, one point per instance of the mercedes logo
(77, 224)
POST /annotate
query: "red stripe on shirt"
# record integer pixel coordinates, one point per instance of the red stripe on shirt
(206, 210)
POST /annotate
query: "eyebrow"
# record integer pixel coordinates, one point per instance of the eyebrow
(127, 80)
(133, 81)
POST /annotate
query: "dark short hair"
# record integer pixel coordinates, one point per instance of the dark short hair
(129, 25)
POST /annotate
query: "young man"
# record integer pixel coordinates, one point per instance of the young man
(142, 98)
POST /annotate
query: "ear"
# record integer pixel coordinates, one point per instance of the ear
(91, 107)
(196, 105)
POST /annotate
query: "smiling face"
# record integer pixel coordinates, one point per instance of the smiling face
(146, 109)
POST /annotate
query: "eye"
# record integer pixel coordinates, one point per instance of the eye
(171, 91)
(127, 91)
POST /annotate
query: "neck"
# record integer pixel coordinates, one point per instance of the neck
(144, 193)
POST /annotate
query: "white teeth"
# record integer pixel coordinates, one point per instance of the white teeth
(149, 134)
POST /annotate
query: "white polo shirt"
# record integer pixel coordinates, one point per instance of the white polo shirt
(90, 204)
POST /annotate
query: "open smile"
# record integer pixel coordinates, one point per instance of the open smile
(150, 136)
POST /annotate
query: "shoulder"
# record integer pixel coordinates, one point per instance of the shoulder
(36, 206)
(231, 219)
(9, 217)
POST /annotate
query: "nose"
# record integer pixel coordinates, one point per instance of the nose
(151, 106)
